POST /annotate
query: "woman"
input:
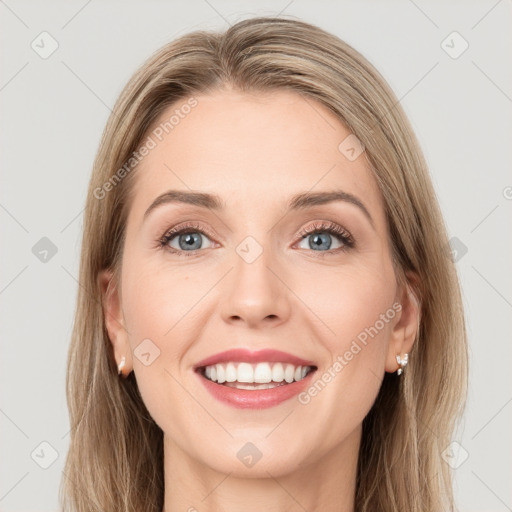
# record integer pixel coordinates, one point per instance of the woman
(267, 317)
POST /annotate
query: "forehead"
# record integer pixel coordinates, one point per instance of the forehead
(252, 149)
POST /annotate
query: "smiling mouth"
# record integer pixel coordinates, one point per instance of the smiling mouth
(264, 375)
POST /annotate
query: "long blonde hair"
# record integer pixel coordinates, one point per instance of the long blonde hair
(115, 458)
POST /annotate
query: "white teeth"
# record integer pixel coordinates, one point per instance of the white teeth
(237, 385)
(278, 372)
(230, 372)
(220, 373)
(263, 373)
(244, 373)
(257, 376)
(289, 373)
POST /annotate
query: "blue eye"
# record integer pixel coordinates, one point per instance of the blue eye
(189, 239)
(320, 236)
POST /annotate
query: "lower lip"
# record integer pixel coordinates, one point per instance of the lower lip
(255, 399)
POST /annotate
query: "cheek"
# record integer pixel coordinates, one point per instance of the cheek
(347, 301)
(343, 391)
(155, 299)
(156, 315)
(155, 309)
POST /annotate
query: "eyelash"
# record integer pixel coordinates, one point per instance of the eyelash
(324, 227)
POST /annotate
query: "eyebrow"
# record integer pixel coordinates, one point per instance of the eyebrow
(300, 201)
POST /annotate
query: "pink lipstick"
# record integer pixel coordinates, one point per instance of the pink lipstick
(254, 380)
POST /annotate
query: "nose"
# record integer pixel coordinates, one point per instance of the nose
(256, 293)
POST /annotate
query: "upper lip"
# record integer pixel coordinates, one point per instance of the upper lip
(249, 356)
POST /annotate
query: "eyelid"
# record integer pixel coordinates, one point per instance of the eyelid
(330, 227)
(188, 226)
(327, 226)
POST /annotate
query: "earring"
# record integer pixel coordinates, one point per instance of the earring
(402, 363)
(121, 366)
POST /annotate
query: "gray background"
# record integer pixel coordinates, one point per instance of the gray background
(54, 110)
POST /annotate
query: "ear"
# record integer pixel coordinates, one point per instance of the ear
(407, 322)
(114, 319)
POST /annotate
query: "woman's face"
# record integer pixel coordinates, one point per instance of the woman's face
(259, 272)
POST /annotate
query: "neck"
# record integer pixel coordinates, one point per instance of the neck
(327, 484)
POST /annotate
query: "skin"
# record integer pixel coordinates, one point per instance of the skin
(256, 151)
